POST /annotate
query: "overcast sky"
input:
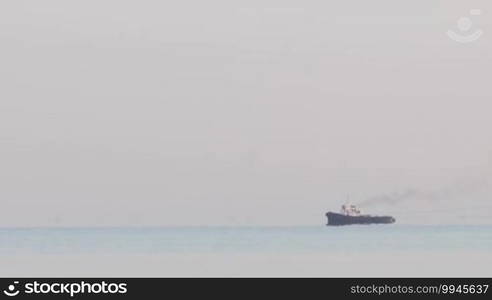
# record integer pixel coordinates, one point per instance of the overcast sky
(242, 112)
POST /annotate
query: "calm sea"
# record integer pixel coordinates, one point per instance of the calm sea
(247, 240)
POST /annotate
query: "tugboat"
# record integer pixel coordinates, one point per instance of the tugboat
(350, 215)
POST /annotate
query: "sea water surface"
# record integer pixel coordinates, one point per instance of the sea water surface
(249, 251)
(314, 239)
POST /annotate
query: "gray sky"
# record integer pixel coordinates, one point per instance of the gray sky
(251, 112)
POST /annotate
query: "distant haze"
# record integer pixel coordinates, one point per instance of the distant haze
(219, 112)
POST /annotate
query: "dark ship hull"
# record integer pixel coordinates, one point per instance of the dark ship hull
(335, 219)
